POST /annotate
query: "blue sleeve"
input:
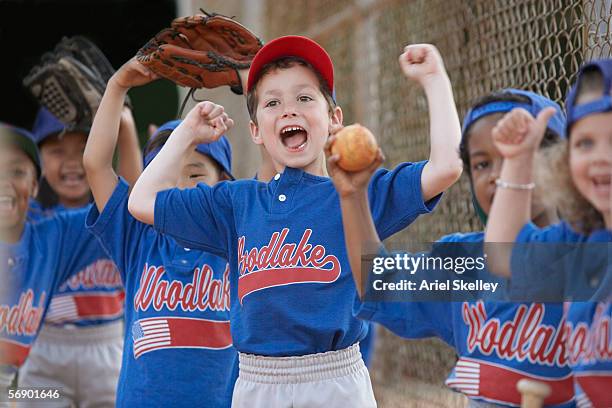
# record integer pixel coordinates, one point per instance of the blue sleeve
(536, 264)
(35, 211)
(396, 198)
(407, 318)
(77, 247)
(117, 230)
(553, 233)
(200, 217)
(411, 320)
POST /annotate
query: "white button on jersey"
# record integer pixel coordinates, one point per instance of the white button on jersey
(277, 176)
(282, 198)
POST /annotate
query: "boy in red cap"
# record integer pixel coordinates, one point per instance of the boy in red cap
(291, 285)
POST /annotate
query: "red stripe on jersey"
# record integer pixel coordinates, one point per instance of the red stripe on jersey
(268, 278)
(13, 353)
(597, 387)
(187, 332)
(158, 333)
(498, 383)
(98, 305)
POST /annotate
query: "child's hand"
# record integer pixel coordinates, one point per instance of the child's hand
(206, 122)
(518, 133)
(132, 74)
(348, 183)
(421, 62)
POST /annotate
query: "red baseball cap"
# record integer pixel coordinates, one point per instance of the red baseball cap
(293, 46)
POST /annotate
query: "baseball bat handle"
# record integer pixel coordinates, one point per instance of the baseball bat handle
(533, 393)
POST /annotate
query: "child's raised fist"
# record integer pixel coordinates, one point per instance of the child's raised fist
(421, 62)
(519, 133)
(206, 122)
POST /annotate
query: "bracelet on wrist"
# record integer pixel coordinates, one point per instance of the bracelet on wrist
(514, 186)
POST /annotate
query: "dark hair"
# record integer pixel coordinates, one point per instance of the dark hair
(550, 137)
(591, 80)
(159, 140)
(284, 63)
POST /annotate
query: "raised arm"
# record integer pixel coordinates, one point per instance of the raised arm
(205, 123)
(359, 231)
(102, 140)
(423, 63)
(129, 165)
(517, 136)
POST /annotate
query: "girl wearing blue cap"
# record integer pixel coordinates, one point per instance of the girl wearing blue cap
(582, 271)
(490, 363)
(178, 349)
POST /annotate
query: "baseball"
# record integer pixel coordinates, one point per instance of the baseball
(356, 146)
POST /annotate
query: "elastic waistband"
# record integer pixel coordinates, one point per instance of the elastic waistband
(301, 369)
(101, 333)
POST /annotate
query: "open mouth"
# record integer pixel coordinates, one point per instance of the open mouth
(7, 203)
(602, 183)
(294, 138)
(71, 179)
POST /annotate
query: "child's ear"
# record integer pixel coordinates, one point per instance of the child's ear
(34, 190)
(336, 118)
(255, 134)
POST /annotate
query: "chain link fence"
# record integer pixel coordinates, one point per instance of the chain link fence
(487, 45)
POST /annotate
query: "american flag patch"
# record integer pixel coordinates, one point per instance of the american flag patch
(85, 306)
(179, 332)
(582, 401)
(494, 382)
(467, 377)
(150, 335)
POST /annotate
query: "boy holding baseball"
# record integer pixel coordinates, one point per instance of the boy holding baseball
(291, 285)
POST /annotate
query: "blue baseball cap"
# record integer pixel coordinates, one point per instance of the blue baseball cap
(536, 104)
(24, 140)
(220, 150)
(603, 104)
(47, 125)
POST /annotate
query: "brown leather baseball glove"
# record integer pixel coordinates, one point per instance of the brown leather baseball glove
(201, 51)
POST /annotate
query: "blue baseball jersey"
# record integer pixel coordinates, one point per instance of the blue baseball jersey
(367, 345)
(588, 323)
(32, 271)
(290, 280)
(590, 349)
(93, 295)
(35, 211)
(545, 260)
(178, 347)
(498, 343)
